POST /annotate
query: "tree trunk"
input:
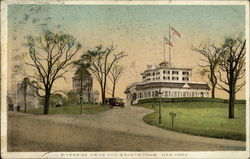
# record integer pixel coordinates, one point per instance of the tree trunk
(46, 105)
(25, 101)
(104, 91)
(46, 102)
(213, 91)
(231, 103)
(103, 97)
(113, 91)
(213, 81)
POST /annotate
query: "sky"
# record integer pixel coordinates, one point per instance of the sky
(138, 30)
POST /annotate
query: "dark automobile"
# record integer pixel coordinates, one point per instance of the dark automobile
(115, 102)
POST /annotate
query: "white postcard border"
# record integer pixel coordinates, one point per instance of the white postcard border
(120, 154)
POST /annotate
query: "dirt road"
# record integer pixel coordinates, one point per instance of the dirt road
(114, 130)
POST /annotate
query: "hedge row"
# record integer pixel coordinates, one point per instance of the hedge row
(176, 100)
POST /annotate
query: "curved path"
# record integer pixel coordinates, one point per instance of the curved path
(114, 130)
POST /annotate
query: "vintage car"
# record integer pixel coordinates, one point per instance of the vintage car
(115, 102)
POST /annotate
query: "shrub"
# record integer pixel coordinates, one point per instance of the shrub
(177, 100)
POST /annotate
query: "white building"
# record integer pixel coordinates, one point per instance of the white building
(172, 82)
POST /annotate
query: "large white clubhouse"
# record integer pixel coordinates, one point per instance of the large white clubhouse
(172, 82)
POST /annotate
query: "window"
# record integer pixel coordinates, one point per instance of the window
(153, 73)
(164, 71)
(175, 72)
(184, 94)
(185, 78)
(149, 94)
(185, 73)
(156, 93)
(140, 95)
(175, 94)
(175, 78)
(164, 77)
(168, 72)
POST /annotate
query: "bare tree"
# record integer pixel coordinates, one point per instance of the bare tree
(101, 62)
(211, 57)
(115, 74)
(232, 64)
(51, 53)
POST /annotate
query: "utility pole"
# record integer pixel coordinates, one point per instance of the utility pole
(81, 103)
(160, 93)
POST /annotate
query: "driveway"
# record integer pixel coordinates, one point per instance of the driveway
(115, 130)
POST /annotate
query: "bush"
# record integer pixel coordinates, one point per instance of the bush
(72, 98)
(197, 99)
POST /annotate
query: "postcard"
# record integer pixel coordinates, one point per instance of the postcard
(124, 79)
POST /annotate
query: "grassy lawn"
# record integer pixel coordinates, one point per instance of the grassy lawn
(72, 109)
(201, 118)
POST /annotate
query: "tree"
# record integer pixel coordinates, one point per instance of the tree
(115, 74)
(211, 57)
(51, 53)
(101, 62)
(232, 64)
(24, 86)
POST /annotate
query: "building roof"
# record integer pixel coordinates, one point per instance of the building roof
(168, 68)
(127, 90)
(172, 85)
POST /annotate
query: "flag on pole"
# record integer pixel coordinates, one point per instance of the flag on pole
(175, 32)
(168, 42)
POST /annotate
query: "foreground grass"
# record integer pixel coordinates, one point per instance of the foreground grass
(200, 118)
(72, 109)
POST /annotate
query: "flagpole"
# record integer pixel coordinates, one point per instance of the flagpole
(164, 41)
(169, 47)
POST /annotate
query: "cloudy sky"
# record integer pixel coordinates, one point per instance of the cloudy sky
(138, 30)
